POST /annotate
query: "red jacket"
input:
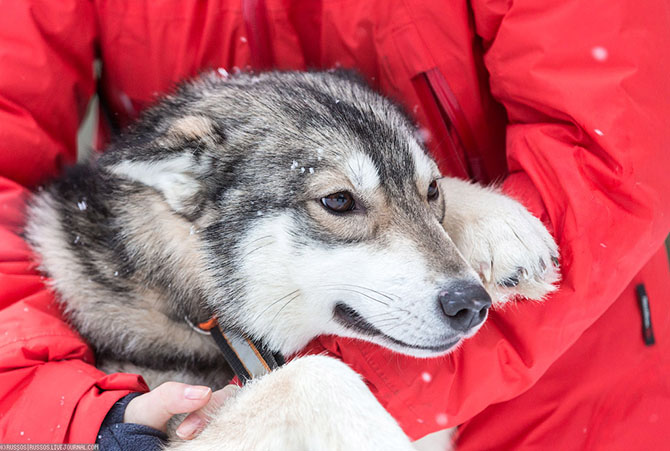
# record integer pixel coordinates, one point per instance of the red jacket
(566, 101)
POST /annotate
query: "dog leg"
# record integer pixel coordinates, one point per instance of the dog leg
(511, 250)
(312, 403)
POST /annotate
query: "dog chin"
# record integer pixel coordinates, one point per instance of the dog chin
(356, 326)
(419, 352)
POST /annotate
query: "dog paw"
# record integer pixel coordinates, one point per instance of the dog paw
(508, 247)
(513, 253)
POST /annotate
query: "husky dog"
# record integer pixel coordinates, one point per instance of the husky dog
(286, 205)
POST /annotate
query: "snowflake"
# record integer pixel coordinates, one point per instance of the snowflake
(599, 53)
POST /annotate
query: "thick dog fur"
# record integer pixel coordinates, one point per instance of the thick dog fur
(211, 205)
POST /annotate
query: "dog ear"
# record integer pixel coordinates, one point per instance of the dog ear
(176, 164)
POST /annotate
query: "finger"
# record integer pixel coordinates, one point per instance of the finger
(155, 408)
(196, 421)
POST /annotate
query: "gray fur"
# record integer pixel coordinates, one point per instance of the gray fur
(221, 181)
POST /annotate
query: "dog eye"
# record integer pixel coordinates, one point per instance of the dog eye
(433, 190)
(339, 202)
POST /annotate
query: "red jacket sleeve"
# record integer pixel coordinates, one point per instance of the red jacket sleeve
(49, 389)
(585, 87)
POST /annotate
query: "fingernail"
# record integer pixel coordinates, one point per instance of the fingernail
(195, 392)
(189, 427)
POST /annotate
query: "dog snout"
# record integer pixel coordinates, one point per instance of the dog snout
(465, 305)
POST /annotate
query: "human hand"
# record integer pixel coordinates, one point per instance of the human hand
(156, 407)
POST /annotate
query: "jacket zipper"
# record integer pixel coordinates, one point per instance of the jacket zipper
(459, 137)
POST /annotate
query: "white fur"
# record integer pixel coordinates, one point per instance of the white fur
(437, 441)
(362, 172)
(426, 169)
(315, 403)
(391, 287)
(174, 177)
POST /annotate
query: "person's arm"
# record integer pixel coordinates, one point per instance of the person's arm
(585, 87)
(49, 389)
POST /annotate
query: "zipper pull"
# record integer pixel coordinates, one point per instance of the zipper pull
(643, 300)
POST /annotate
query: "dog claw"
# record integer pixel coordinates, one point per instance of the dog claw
(510, 282)
(513, 281)
(524, 273)
(485, 271)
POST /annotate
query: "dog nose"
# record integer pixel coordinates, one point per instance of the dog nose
(465, 304)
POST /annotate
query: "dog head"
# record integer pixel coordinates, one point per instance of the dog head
(316, 209)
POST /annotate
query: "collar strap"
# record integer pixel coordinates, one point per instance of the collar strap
(247, 359)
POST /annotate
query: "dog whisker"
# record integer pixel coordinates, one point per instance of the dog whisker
(379, 315)
(257, 248)
(264, 237)
(362, 294)
(291, 299)
(294, 292)
(386, 295)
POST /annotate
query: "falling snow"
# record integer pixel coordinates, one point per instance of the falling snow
(426, 377)
(441, 419)
(598, 132)
(424, 135)
(116, 273)
(259, 213)
(223, 72)
(21, 432)
(25, 309)
(243, 39)
(311, 170)
(82, 205)
(191, 231)
(76, 240)
(294, 165)
(603, 245)
(599, 53)
(302, 170)
(127, 103)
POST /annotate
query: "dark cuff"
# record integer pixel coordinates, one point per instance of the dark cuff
(115, 435)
